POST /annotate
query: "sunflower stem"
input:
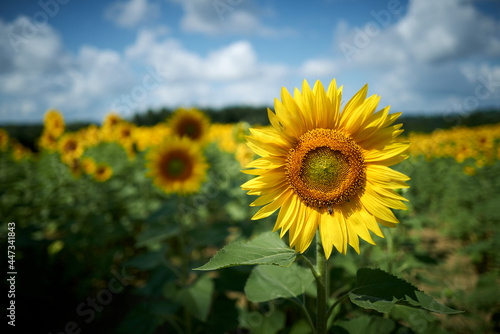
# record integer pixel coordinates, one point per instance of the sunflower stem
(321, 287)
(310, 265)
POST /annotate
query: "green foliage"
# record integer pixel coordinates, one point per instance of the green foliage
(197, 298)
(74, 234)
(380, 291)
(267, 248)
(365, 325)
(270, 282)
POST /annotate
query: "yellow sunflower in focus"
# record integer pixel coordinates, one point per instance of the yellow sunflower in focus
(54, 123)
(190, 123)
(327, 168)
(177, 166)
(70, 147)
(102, 172)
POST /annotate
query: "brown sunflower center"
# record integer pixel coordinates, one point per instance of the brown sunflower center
(190, 128)
(70, 145)
(100, 170)
(177, 166)
(326, 168)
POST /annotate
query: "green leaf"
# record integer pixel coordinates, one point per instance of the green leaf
(366, 325)
(156, 234)
(267, 248)
(271, 282)
(258, 323)
(381, 291)
(148, 260)
(301, 327)
(197, 298)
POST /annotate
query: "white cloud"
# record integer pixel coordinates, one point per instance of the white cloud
(228, 75)
(155, 71)
(216, 17)
(425, 60)
(130, 13)
(42, 75)
(319, 67)
(430, 32)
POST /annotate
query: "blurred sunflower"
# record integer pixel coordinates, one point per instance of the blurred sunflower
(88, 165)
(54, 123)
(326, 168)
(102, 172)
(125, 136)
(177, 166)
(4, 140)
(75, 167)
(111, 120)
(70, 147)
(48, 142)
(20, 152)
(190, 123)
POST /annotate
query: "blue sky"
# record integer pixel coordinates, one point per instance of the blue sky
(87, 58)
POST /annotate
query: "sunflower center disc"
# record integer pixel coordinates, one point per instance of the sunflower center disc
(70, 146)
(176, 167)
(326, 168)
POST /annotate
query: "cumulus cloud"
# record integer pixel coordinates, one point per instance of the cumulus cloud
(154, 71)
(43, 75)
(130, 13)
(231, 74)
(421, 60)
(225, 17)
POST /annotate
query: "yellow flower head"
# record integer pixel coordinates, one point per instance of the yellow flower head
(70, 147)
(177, 166)
(327, 167)
(102, 172)
(4, 140)
(20, 152)
(75, 167)
(54, 123)
(111, 120)
(190, 123)
(88, 165)
(48, 142)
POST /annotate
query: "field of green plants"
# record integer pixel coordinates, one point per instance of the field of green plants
(115, 253)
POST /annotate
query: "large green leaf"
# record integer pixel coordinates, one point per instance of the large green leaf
(267, 248)
(155, 234)
(258, 323)
(365, 325)
(271, 282)
(197, 298)
(381, 291)
(148, 260)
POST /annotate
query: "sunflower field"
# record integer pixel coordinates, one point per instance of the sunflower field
(120, 228)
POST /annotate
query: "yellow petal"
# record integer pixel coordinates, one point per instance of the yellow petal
(269, 209)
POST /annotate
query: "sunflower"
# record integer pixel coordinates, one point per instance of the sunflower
(75, 167)
(54, 123)
(70, 147)
(190, 123)
(4, 140)
(326, 168)
(102, 172)
(48, 141)
(111, 120)
(88, 165)
(177, 166)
